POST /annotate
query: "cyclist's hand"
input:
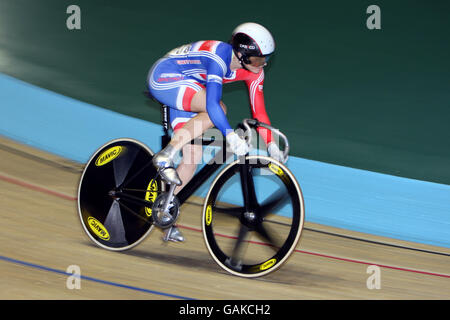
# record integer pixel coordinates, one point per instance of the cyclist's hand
(237, 144)
(275, 152)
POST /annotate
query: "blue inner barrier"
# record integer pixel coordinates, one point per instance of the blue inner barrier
(338, 196)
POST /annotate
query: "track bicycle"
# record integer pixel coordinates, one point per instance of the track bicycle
(252, 216)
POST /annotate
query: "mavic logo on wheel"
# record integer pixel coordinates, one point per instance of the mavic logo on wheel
(108, 155)
(276, 169)
(98, 228)
(268, 264)
(150, 195)
(208, 216)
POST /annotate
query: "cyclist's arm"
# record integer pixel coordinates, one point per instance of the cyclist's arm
(213, 97)
(256, 95)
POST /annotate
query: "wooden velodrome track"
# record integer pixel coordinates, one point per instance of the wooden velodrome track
(41, 236)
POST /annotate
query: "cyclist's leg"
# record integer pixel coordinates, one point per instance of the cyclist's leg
(180, 94)
(176, 91)
(187, 125)
(192, 155)
(191, 129)
(196, 126)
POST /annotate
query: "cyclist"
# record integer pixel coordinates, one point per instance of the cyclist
(189, 80)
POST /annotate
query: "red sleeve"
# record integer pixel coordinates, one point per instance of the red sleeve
(255, 84)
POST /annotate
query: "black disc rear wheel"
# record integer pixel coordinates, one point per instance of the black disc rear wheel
(116, 190)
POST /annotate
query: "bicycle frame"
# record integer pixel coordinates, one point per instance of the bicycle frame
(206, 172)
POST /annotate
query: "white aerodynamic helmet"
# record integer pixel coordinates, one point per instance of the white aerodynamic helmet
(252, 39)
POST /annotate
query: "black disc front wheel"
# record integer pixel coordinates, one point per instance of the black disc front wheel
(253, 216)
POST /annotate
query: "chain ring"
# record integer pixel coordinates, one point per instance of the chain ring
(161, 219)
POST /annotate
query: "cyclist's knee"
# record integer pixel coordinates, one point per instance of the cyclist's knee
(198, 102)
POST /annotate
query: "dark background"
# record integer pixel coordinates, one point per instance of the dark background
(371, 99)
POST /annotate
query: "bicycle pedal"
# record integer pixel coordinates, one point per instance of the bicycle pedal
(173, 234)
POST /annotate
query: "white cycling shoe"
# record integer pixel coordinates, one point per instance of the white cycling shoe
(163, 162)
(173, 234)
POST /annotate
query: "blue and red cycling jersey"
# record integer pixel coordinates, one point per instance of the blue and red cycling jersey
(182, 72)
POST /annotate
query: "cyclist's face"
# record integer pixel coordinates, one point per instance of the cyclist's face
(257, 64)
(258, 61)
